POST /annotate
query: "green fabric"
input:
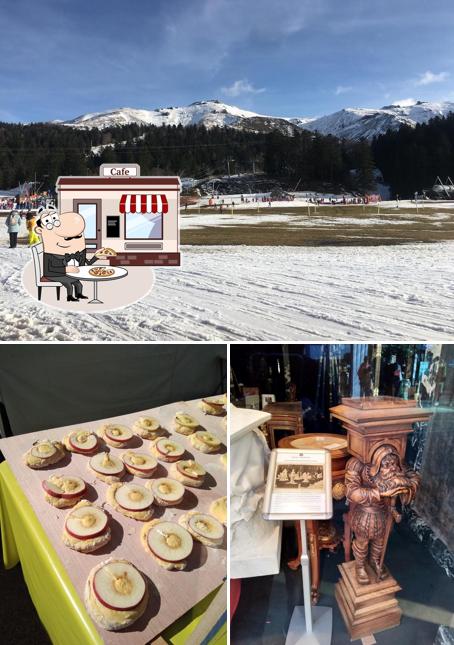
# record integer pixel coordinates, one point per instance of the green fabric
(60, 609)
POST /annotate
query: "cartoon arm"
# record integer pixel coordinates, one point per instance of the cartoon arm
(87, 261)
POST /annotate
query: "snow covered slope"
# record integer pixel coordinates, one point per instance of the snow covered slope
(357, 123)
(259, 293)
(208, 113)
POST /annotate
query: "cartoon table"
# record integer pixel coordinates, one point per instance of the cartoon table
(84, 274)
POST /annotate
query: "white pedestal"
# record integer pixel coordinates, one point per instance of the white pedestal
(309, 625)
(322, 627)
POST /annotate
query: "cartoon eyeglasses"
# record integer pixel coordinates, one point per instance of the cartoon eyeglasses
(50, 221)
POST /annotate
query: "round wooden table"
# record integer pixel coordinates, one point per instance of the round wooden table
(321, 534)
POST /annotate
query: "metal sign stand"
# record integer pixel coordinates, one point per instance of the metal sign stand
(309, 625)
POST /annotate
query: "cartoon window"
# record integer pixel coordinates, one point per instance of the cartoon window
(143, 216)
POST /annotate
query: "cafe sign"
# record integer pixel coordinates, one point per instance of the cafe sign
(119, 170)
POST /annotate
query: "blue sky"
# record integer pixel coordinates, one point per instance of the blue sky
(63, 58)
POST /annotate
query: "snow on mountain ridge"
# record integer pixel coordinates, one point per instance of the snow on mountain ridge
(210, 113)
(349, 123)
(366, 123)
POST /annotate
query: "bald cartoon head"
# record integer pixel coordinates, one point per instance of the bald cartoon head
(60, 233)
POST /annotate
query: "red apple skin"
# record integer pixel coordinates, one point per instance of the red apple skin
(142, 470)
(120, 440)
(106, 604)
(85, 537)
(63, 495)
(83, 450)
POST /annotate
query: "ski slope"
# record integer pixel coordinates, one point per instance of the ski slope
(260, 293)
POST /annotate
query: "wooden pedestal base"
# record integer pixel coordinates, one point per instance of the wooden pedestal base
(367, 609)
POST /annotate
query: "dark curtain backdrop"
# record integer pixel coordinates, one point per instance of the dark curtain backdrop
(45, 386)
(435, 499)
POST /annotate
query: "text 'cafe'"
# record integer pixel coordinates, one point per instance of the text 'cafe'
(137, 217)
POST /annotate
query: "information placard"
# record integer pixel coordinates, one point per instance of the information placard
(298, 485)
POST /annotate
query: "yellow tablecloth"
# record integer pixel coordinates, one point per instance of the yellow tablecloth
(60, 609)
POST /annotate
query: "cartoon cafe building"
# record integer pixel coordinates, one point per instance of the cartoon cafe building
(137, 217)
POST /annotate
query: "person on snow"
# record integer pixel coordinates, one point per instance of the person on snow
(13, 222)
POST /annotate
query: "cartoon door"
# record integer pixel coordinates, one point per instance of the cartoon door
(90, 209)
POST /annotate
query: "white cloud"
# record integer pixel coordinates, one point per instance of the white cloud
(343, 89)
(429, 77)
(241, 87)
(404, 102)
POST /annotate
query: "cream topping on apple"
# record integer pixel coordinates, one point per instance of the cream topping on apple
(149, 423)
(118, 432)
(169, 448)
(191, 469)
(133, 497)
(83, 440)
(184, 419)
(208, 438)
(169, 490)
(106, 464)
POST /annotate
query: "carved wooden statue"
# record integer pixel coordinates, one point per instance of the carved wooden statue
(372, 490)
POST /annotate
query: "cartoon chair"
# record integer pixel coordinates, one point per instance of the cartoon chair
(41, 281)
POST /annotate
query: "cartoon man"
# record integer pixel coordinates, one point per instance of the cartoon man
(63, 249)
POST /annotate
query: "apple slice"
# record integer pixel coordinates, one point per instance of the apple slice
(215, 402)
(119, 586)
(139, 461)
(64, 487)
(169, 449)
(149, 423)
(118, 433)
(86, 522)
(170, 541)
(106, 464)
(43, 449)
(133, 497)
(169, 490)
(191, 469)
(206, 525)
(83, 440)
(186, 420)
(208, 438)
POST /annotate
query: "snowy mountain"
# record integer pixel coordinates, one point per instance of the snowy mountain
(350, 123)
(364, 123)
(208, 113)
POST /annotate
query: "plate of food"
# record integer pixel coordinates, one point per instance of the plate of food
(101, 272)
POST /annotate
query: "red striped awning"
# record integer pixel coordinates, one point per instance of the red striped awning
(144, 204)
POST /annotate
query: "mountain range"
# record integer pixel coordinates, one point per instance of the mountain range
(349, 123)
